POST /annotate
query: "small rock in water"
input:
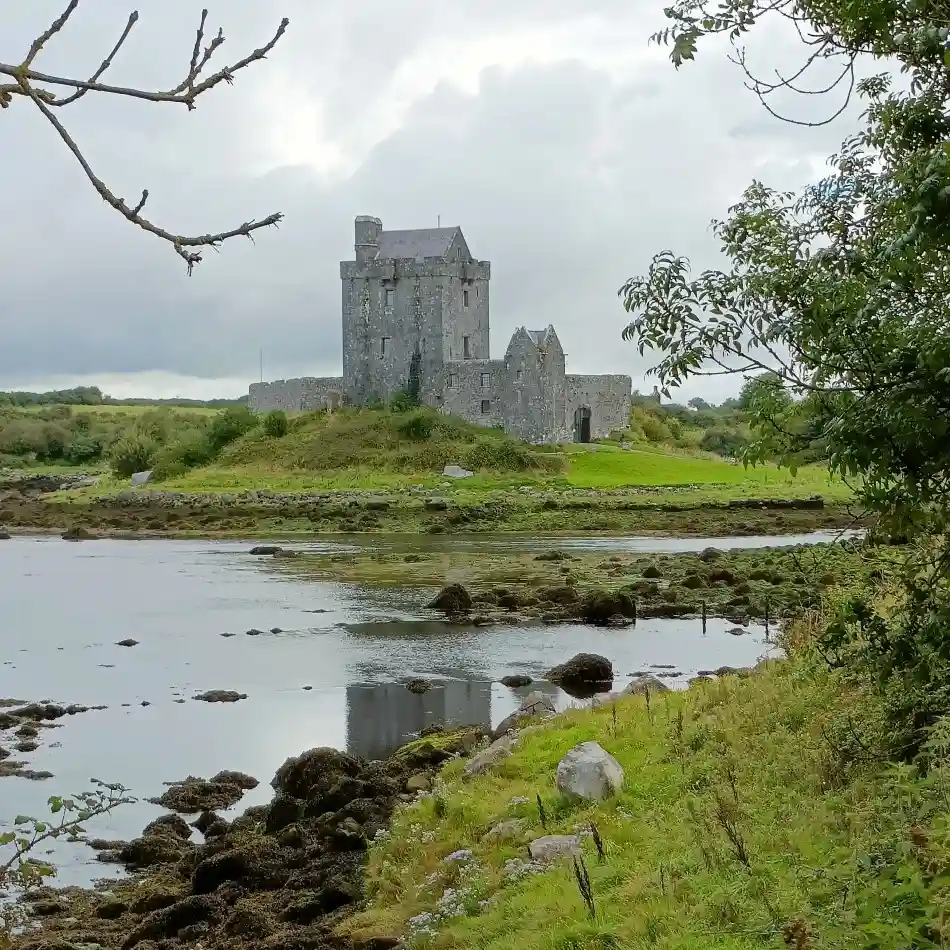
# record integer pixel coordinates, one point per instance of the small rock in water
(265, 549)
(220, 696)
(276, 630)
(254, 632)
(738, 631)
(308, 688)
(228, 634)
(582, 670)
(127, 643)
(453, 599)
(418, 686)
(76, 534)
(5, 535)
(513, 682)
(145, 702)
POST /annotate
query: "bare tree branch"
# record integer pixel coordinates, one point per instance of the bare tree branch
(33, 85)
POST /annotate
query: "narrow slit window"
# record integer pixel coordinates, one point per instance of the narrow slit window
(384, 346)
(390, 296)
(486, 406)
(466, 350)
(465, 299)
(486, 380)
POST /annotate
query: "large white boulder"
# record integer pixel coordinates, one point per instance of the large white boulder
(588, 772)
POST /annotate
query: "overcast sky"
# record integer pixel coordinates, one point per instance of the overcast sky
(569, 151)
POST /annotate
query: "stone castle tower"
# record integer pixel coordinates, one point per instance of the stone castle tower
(415, 312)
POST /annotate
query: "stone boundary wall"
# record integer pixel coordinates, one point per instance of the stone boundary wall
(608, 398)
(296, 395)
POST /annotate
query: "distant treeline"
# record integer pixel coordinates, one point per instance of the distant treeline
(93, 396)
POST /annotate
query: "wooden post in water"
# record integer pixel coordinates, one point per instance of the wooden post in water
(704, 618)
(634, 599)
(766, 620)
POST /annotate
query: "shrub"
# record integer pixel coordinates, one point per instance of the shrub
(276, 424)
(134, 452)
(229, 425)
(725, 442)
(82, 450)
(191, 450)
(418, 425)
(403, 401)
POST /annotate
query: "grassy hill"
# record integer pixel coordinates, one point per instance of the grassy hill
(206, 450)
(755, 812)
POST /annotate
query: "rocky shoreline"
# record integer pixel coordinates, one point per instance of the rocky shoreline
(49, 504)
(287, 873)
(279, 875)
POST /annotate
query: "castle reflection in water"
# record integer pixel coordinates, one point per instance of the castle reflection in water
(382, 717)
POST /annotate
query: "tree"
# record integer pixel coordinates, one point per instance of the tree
(699, 404)
(842, 293)
(49, 94)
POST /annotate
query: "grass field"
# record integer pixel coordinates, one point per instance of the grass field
(699, 479)
(741, 824)
(107, 411)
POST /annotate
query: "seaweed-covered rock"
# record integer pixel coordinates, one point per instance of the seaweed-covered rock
(194, 794)
(584, 669)
(600, 607)
(516, 680)
(161, 845)
(453, 599)
(313, 773)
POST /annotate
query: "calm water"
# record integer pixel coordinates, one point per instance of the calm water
(65, 605)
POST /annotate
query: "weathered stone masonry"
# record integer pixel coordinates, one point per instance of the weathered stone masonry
(415, 310)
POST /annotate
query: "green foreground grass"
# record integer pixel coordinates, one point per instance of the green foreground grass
(749, 818)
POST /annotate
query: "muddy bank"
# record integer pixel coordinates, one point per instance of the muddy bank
(28, 506)
(280, 875)
(560, 586)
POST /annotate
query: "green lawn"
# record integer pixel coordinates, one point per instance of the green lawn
(605, 468)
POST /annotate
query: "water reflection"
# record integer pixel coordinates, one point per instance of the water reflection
(382, 717)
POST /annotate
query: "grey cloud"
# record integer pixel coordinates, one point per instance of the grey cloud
(566, 179)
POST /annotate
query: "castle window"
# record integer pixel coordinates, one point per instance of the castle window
(453, 381)
(383, 345)
(486, 406)
(465, 299)
(486, 380)
(390, 296)
(466, 350)
(518, 373)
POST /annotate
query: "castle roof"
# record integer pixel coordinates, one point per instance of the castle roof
(418, 243)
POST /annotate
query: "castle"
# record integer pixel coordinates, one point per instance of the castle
(415, 318)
